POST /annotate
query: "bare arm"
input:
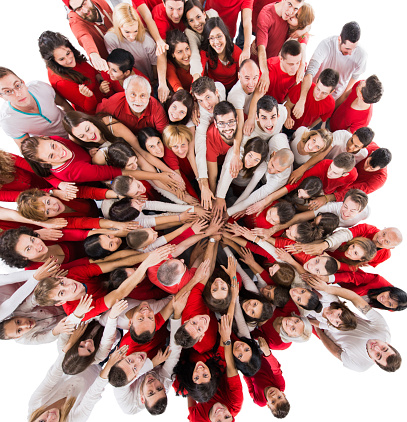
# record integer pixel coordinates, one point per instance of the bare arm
(298, 110)
(247, 30)
(61, 102)
(329, 344)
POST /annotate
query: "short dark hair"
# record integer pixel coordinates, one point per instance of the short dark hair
(183, 338)
(3, 335)
(373, 90)
(267, 103)
(166, 272)
(345, 161)
(281, 296)
(380, 158)
(331, 265)
(4, 71)
(329, 78)
(284, 276)
(142, 338)
(357, 196)
(365, 135)
(281, 410)
(121, 58)
(222, 108)
(285, 211)
(136, 238)
(203, 84)
(314, 304)
(350, 32)
(291, 47)
(123, 211)
(117, 377)
(93, 248)
(116, 278)
(121, 185)
(158, 408)
(393, 361)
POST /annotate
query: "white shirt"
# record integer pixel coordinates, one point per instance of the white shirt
(335, 208)
(339, 141)
(239, 98)
(298, 158)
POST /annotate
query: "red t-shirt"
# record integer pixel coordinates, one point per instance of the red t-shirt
(347, 118)
(216, 147)
(196, 306)
(178, 77)
(280, 82)
(369, 181)
(176, 163)
(269, 375)
(252, 221)
(271, 30)
(313, 109)
(229, 393)
(361, 282)
(149, 3)
(301, 257)
(257, 7)
(153, 116)
(229, 10)
(226, 74)
(164, 24)
(338, 186)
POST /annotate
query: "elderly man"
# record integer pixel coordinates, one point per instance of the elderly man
(89, 22)
(135, 107)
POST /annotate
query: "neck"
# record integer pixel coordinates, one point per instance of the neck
(278, 8)
(277, 324)
(30, 108)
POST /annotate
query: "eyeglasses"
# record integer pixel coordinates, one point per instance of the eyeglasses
(218, 37)
(224, 124)
(18, 86)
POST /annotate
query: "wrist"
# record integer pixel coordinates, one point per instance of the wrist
(226, 342)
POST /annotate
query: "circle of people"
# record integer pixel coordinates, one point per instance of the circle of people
(183, 135)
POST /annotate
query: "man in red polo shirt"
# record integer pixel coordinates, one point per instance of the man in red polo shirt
(372, 171)
(319, 104)
(168, 16)
(134, 107)
(89, 22)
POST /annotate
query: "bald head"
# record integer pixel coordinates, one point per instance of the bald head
(248, 74)
(388, 238)
(280, 160)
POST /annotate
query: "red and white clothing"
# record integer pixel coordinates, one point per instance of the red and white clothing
(216, 147)
(164, 24)
(178, 77)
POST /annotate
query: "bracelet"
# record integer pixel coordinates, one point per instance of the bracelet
(326, 199)
(234, 278)
(51, 192)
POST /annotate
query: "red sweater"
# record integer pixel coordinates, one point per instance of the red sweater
(178, 77)
(260, 221)
(164, 24)
(90, 35)
(79, 168)
(338, 186)
(229, 393)
(280, 82)
(227, 75)
(347, 118)
(361, 282)
(269, 375)
(153, 116)
(69, 89)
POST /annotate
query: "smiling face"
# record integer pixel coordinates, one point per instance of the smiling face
(379, 351)
(274, 397)
(217, 40)
(143, 319)
(349, 209)
(290, 8)
(355, 252)
(208, 100)
(219, 289)
(52, 152)
(242, 351)
(347, 48)
(267, 120)
(115, 73)
(219, 413)
(182, 54)
(354, 145)
(136, 188)
(333, 316)
(67, 290)
(86, 347)
(155, 146)
(196, 19)
(201, 374)
(316, 265)
(87, 132)
(64, 57)
(18, 326)
(386, 300)
(197, 326)
(131, 163)
(181, 149)
(109, 242)
(314, 144)
(137, 96)
(252, 159)
(300, 296)
(31, 247)
(292, 232)
(132, 364)
(129, 31)
(253, 308)
(176, 112)
(386, 239)
(268, 292)
(249, 76)
(152, 390)
(52, 206)
(272, 216)
(50, 415)
(227, 126)
(274, 166)
(293, 326)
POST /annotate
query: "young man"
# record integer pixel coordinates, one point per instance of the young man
(89, 22)
(372, 171)
(168, 16)
(30, 110)
(319, 104)
(357, 109)
(340, 53)
(135, 107)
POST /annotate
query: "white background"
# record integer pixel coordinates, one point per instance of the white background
(317, 383)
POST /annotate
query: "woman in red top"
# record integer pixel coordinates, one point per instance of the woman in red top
(220, 57)
(179, 57)
(179, 109)
(71, 75)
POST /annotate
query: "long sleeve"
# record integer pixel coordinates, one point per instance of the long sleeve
(107, 340)
(37, 338)
(167, 194)
(338, 237)
(194, 44)
(81, 172)
(255, 179)
(172, 77)
(70, 91)
(169, 364)
(200, 142)
(242, 328)
(225, 178)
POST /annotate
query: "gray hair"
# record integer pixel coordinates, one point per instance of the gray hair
(137, 79)
(305, 336)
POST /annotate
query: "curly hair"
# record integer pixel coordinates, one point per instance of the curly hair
(30, 206)
(7, 169)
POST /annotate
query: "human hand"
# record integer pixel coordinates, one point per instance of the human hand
(295, 176)
(219, 207)
(84, 306)
(264, 82)
(231, 269)
(248, 127)
(265, 233)
(256, 208)
(284, 255)
(162, 46)
(104, 87)
(264, 347)
(298, 109)
(202, 271)
(168, 180)
(47, 269)
(118, 308)
(235, 165)
(225, 328)
(206, 197)
(63, 327)
(84, 90)
(49, 234)
(300, 73)
(317, 203)
(160, 254)
(98, 63)
(214, 226)
(199, 226)
(244, 55)
(289, 123)
(161, 357)
(247, 257)
(69, 188)
(114, 357)
(312, 248)
(163, 93)
(179, 304)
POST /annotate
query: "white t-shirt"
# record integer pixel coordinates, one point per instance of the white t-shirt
(239, 98)
(339, 141)
(298, 158)
(335, 208)
(353, 343)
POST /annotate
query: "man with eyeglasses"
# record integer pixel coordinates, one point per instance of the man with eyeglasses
(89, 22)
(30, 109)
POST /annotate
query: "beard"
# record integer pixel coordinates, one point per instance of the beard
(93, 15)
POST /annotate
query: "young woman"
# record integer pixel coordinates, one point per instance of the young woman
(99, 246)
(310, 187)
(179, 108)
(178, 61)
(195, 17)
(129, 33)
(71, 75)
(256, 309)
(220, 57)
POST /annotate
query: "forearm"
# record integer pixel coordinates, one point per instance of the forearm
(162, 69)
(247, 28)
(262, 56)
(329, 344)
(305, 86)
(230, 363)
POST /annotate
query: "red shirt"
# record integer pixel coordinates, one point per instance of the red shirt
(280, 82)
(215, 145)
(196, 306)
(301, 257)
(271, 30)
(115, 86)
(153, 116)
(338, 186)
(369, 181)
(257, 7)
(226, 74)
(164, 24)
(178, 77)
(260, 221)
(347, 118)
(313, 109)
(229, 393)
(269, 375)
(149, 3)
(229, 10)
(361, 282)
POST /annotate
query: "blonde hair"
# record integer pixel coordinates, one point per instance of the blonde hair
(326, 136)
(124, 14)
(174, 134)
(30, 206)
(64, 412)
(7, 168)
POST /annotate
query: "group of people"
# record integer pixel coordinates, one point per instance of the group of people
(232, 181)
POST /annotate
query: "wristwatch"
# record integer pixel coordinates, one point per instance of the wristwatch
(212, 240)
(227, 343)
